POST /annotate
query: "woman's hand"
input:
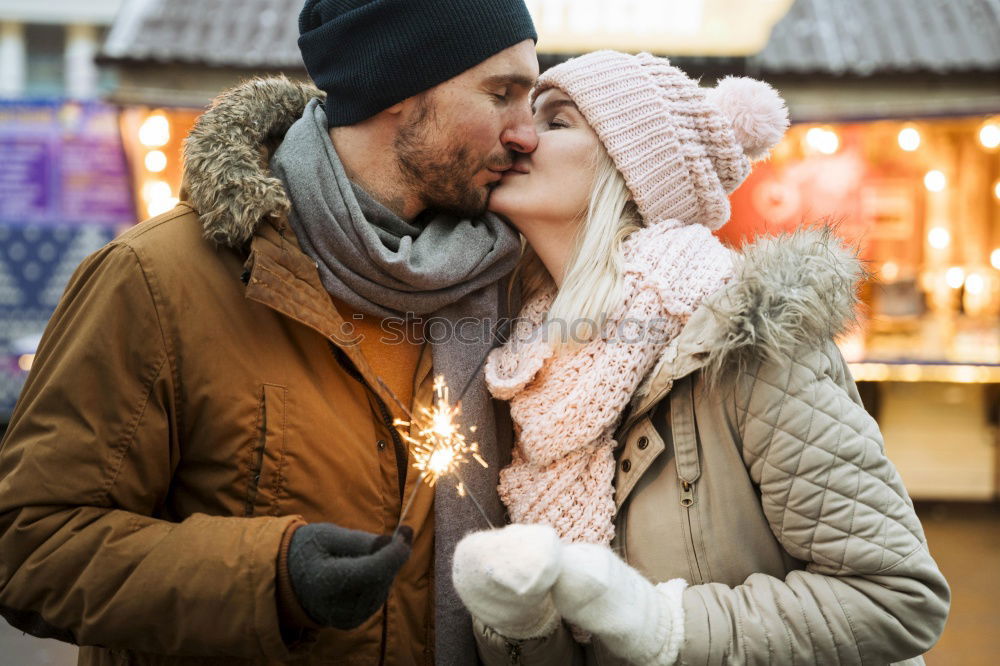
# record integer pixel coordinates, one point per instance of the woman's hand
(505, 577)
(599, 593)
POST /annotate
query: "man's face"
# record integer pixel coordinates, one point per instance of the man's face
(463, 134)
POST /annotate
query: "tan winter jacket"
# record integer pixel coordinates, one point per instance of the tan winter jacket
(186, 407)
(748, 466)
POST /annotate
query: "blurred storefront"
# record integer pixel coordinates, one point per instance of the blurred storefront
(64, 184)
(897, 141)
(920, 198)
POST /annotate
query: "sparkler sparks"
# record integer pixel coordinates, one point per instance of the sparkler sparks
(437, 443)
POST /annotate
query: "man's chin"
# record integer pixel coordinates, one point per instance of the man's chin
(472, 205)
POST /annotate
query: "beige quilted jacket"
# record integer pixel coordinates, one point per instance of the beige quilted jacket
(748, 466)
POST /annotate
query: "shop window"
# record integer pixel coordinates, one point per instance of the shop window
(46, 64)
(921, 200)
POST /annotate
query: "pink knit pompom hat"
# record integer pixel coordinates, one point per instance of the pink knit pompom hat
(681, 148)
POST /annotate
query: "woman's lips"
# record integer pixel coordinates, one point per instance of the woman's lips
(514, 171)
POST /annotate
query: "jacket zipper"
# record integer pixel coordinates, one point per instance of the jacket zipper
(687, 501)
(397, 441)
(513, 653)
(400, 450)
(385, 633)
(258, 465)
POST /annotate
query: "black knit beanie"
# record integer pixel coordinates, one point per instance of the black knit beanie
(369, 54)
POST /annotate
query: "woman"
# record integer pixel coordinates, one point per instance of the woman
(695, 478)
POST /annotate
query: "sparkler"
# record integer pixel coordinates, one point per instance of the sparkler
(438, 445)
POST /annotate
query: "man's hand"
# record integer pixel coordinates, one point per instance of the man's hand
(341, 576)
(504, 578)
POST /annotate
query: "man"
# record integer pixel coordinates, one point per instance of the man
(203, 458)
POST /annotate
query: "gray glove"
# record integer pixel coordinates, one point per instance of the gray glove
(341, 577)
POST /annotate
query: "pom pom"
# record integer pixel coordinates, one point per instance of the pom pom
(757, 113)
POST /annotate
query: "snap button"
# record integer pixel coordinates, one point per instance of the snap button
(643, 442)
(381, 445)
(626, 465)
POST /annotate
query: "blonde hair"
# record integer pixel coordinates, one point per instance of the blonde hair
(592, 285)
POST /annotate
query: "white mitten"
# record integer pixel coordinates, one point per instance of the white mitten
(638, 621)
(504, 577)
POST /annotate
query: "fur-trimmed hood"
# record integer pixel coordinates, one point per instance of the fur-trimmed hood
(226, 174)
(788, 291)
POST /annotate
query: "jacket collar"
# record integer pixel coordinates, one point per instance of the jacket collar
(788, 291)
(282, 277)
(228, 181)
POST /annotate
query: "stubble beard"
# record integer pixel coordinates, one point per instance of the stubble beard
(442, 178)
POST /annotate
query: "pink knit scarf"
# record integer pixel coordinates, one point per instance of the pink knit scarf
(567, 404)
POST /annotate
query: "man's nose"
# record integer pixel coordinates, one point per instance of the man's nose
(521, 137)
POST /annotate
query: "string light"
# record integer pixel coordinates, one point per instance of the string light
(939, 238)
(909, 139)
(159, 197)
(954, 277)
(964, 374)
(156, 161)
(975, 284)
(155, 131)
(155, 190)
(935, 181)
(989, 135)
(160, 206)
(822, 139)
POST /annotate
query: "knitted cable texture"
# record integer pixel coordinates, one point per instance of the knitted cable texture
(682, 149)
(567, 401)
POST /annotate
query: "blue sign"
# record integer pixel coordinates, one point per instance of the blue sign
(64, 193)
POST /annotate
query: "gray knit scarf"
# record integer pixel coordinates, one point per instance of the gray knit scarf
(448, 269)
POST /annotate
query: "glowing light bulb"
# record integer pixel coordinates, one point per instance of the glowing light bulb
(939, 238)
(156, 189)
(975, 284)
(989, 135)
(890, 271)
(954, 277)
(156, 161)
(909, 139)
(831, 142)
(160, 206)
(155, 131)
(823, 140)
(935, 181)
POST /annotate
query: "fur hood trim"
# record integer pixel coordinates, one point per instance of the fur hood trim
(226, 174)
(788, 291)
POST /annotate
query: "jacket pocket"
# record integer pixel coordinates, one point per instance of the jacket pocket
(266, 456)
